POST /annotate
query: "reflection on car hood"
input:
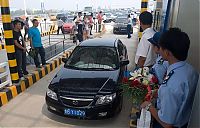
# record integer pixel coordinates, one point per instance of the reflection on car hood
(70, 81)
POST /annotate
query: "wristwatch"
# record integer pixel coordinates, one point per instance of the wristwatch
(148, 106)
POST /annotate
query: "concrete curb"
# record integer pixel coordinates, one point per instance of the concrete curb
(133, 118)
(8, 93)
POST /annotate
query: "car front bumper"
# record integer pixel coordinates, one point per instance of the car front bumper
(91, 112)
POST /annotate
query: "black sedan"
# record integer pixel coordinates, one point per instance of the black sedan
(88, 86)
(120, 26)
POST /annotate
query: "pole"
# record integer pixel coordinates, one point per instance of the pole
(25, 13)
(144, 5)
(8, 35)
(45, 20)
(41, 27)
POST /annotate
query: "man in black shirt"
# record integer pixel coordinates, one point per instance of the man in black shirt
(20, 48)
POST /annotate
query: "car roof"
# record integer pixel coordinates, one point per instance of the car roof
(108, 42)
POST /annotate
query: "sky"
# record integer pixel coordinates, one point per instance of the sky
(72, 4)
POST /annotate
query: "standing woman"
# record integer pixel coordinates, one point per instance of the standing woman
(91, 22)
(129, 25)
(86, 28)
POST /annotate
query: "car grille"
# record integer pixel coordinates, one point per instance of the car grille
(75, 102)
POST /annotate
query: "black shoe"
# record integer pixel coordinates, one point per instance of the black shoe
(25, 73)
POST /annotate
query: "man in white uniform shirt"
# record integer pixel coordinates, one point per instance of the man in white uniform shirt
(145, 55)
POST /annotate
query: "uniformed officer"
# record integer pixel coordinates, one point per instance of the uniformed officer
(145, 56)
(176, 93)
(159, 69)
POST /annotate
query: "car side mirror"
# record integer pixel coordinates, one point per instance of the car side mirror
(124, 62)
(64, 60)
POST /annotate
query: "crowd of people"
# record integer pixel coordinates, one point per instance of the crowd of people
(83, 25)
(166, 53)
(20, 44)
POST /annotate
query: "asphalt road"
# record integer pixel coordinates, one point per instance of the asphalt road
(29, 109)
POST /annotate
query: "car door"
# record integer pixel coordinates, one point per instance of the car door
(122, 56)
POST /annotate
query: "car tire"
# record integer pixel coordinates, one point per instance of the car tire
(120, 105)
(114, 32)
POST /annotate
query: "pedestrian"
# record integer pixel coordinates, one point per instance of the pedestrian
(91, 23)
(159, 69)
(176, 93)
(100, 19)
(79, 22)
(104, 21)
(60, 24)
(36, 44)
(20, 49)
(86, 28)
(129, 26)
(26, 28)
(145, 56)
(74, 31)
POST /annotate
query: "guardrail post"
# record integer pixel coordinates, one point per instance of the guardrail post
(49, 39)
(63, 46)
(41, 27)
(96, 27)
(45, 21)
(8, 35)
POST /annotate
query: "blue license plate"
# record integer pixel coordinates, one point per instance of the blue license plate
(74, 112)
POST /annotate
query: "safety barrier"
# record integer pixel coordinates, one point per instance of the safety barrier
(8, 93)
(2, 46)
(52, 30)
(8, 35)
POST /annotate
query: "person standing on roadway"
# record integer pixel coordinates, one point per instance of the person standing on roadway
(36, 44)
(20, 47)
(79, 22)
(145, 55)
(60, 24)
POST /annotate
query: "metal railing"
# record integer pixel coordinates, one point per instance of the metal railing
(53, 47)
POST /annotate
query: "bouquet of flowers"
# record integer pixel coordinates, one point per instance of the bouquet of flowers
(142, 85)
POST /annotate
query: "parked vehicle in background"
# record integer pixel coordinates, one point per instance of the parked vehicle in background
(68, 25)
(109, 18)
(62, 16)
(120, 26)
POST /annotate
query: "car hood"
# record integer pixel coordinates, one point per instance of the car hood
(120, 24)
(82, 82)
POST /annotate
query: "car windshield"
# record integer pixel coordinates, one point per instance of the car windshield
(121, 20)
(93, 58)
(69, 21)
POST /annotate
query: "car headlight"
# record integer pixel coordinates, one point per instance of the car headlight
(105, 99)
(52, 94)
